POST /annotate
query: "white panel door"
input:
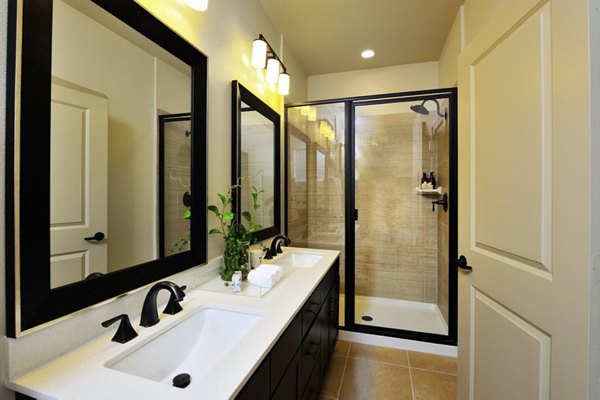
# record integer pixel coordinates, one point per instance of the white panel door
(524, 205)
(78, 183)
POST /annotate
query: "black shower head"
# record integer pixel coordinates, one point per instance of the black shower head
(420, 109)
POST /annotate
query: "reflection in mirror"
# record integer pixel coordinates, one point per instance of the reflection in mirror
(104, 138)
(92, 82)
(256, 130)
(257, 161)
(175, 196)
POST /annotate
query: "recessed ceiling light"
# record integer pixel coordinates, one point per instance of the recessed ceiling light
(368, 53)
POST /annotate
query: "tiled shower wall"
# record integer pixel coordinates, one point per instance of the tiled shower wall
(396, 237)
(443, 223)
(177, 181)
(401, 245)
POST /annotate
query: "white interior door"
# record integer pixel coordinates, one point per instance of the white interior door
(524, 204)
(78, 183)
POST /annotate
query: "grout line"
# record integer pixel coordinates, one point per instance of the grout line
(380, 362)
(339, 391)
(433, 370)
(412, 386)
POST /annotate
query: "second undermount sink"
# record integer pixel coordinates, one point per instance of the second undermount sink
(298, 259)
(194, 346)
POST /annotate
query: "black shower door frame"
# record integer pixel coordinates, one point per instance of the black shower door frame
(350, 103)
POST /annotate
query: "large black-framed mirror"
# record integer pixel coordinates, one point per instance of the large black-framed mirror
(35, 69)
(256, 154)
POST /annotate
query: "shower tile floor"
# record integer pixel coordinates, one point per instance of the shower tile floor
(362, 372)
(397, 314)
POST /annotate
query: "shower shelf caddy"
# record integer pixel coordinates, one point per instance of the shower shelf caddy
(437, 190)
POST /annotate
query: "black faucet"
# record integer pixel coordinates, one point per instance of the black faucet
(276, 246)
(150, 309)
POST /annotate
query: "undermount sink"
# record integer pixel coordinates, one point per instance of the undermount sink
(298, 259)
(193, 346)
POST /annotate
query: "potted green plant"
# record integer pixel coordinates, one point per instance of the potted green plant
(237, 236)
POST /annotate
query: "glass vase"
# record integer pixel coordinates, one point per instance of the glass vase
(235, 258)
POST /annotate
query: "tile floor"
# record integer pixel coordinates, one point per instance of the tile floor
(362, 372)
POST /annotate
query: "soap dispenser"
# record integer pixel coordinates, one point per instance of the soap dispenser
(424, 178)
(432, 180)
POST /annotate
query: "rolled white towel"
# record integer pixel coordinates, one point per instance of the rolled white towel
(273, 269)
(260, 278)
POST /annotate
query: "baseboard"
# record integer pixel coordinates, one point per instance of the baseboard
(396, 343)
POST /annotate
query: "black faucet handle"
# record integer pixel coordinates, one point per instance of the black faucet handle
(268, 255)
(125, 332)
(173, 306)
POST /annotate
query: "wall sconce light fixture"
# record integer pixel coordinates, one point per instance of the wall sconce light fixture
(263, 56)
(199, 5)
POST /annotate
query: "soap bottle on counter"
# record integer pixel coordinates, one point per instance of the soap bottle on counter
(424, 178)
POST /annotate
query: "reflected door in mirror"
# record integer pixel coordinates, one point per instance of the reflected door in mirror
(78, 180)
(97, 54)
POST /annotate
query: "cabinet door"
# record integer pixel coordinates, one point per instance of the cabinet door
(311, 392)
(323, 322)
(284, 350)
(289, 386)
(257, 387)
(334, 315)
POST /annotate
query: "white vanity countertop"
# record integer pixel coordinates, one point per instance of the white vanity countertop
(81, 374)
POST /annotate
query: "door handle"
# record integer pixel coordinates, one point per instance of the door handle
(98, 237)
(462, 264)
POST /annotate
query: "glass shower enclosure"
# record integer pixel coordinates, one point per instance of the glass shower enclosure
(375, 178)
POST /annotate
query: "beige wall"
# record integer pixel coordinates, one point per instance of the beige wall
(452, 48)
(4, 394)
(400, 78)
(225, 33)
(479, 13)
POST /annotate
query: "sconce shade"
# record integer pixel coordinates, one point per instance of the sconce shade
(283, 87)
(312, 114)
(272, 70)
(259, 53)
(200, 5)
(323, 127)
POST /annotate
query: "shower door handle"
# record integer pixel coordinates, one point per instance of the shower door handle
(442, 202)
(462, 264)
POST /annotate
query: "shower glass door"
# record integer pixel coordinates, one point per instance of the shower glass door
(402, 178)
(354, 169)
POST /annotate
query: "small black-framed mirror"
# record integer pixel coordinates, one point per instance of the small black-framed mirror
(256, 154)
(32, 296)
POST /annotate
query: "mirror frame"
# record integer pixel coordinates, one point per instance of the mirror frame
(240, 94)
(30, 301)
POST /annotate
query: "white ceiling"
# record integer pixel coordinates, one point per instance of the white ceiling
(327, 36)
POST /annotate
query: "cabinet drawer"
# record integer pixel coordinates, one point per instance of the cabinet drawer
(311, 353)
(284, 350)
(310, 310)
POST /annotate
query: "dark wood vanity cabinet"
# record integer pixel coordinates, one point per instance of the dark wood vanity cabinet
(299, 359)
